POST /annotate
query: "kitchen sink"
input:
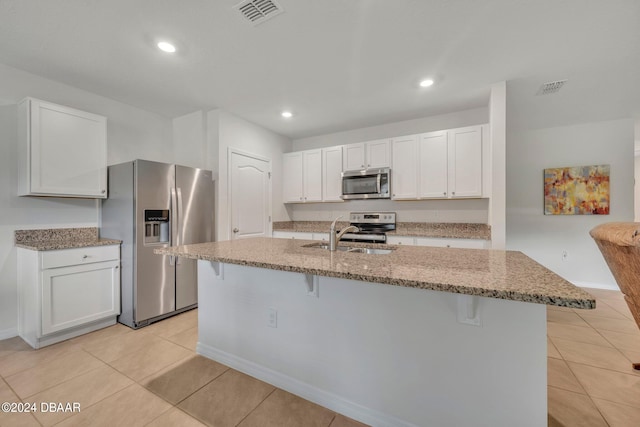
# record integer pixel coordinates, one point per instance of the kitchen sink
(372, 251)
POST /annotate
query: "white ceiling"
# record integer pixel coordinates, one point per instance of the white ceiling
(337, 64)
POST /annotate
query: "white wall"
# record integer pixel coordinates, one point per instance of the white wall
(408, 127)
(497, 164)
(234, 132)
(131, 132)
(189, 140)
(471, 211)
(636, 189)
(544, 237)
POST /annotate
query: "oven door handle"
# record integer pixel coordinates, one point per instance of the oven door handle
(379, 184)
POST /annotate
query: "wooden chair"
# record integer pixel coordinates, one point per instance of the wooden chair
(619, 243)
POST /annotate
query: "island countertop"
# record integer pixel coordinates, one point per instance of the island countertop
(508, 275)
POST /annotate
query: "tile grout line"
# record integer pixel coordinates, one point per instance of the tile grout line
(612, 344)
(596, 345)
(57, 384)
(586, 394)
(261, 402)
(566, 362)
(566, 389)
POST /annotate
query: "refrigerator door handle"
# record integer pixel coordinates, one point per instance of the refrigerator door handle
(180, 221)
(174, 223)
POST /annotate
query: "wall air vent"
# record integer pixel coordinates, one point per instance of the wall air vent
(551, 87)
(258, 11)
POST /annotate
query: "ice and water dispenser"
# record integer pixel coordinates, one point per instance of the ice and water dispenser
(156, 226)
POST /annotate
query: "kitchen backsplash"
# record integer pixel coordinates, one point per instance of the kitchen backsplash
(474, 211)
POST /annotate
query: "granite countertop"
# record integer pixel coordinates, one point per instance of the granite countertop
(418, 229)
(61, 238)
(506, 275)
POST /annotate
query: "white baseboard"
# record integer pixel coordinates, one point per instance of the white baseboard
(607, 286)
(8, 333)
(306, 391)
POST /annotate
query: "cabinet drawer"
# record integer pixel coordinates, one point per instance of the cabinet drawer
(78, 256)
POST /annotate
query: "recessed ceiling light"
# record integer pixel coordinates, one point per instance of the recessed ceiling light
(287, 114)
(166, 47)
(426, 83)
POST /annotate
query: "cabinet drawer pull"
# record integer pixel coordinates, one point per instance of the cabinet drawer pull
(85, 256)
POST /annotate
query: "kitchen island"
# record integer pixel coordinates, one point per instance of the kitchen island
(417, 337)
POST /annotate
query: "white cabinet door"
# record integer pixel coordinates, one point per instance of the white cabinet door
(354, 157)
(401, 240)
(63, 151)
(302, 176)
(404, 172)
(312, 169)
(363, 155)
(292, 177)
(73, 296)
(332, 174)
(378, 154)
(452, 243)
(465, 162)
(292, 235)
(432, 160)
(321, 236)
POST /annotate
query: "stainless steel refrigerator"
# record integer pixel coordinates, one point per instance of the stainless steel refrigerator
(152, 205)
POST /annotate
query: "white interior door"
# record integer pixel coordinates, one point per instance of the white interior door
(250, 196)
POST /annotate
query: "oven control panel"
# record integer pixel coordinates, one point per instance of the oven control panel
(373, 217)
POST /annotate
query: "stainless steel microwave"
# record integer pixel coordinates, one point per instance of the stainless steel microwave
(366, 184)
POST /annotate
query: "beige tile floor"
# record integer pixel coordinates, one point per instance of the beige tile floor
(153, 377)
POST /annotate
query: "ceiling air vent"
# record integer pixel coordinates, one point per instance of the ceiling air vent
(551, 87)
(258, 11)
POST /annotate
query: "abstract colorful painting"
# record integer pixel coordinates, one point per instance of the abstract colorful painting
(580, 190)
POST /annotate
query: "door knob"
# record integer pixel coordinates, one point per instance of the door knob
(235, 230)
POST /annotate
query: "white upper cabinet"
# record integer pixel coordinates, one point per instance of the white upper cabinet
(302, 176)
(332, 174)
(438, 165)
(354, 157)
(365, 155)
(378, 154)
(292, 190)
(446, 164)
(433, 164)
(62, 151)
(312, 173)
(465, 162)
(404, 169)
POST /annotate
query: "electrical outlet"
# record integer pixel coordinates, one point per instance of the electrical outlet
(565, 255)
(272, 317)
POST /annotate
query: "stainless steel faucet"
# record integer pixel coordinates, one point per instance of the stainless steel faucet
(334, 237)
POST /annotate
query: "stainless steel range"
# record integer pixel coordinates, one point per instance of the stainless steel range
(373, 226)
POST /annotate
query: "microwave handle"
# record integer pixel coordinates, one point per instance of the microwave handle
(378, 182)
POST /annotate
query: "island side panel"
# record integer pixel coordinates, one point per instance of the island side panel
(382, 354)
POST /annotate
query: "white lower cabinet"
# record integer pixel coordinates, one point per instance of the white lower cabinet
(292, 235)
(300, 235)
(452, 243)
(66, 293)
(439, 242)
(401, 240)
